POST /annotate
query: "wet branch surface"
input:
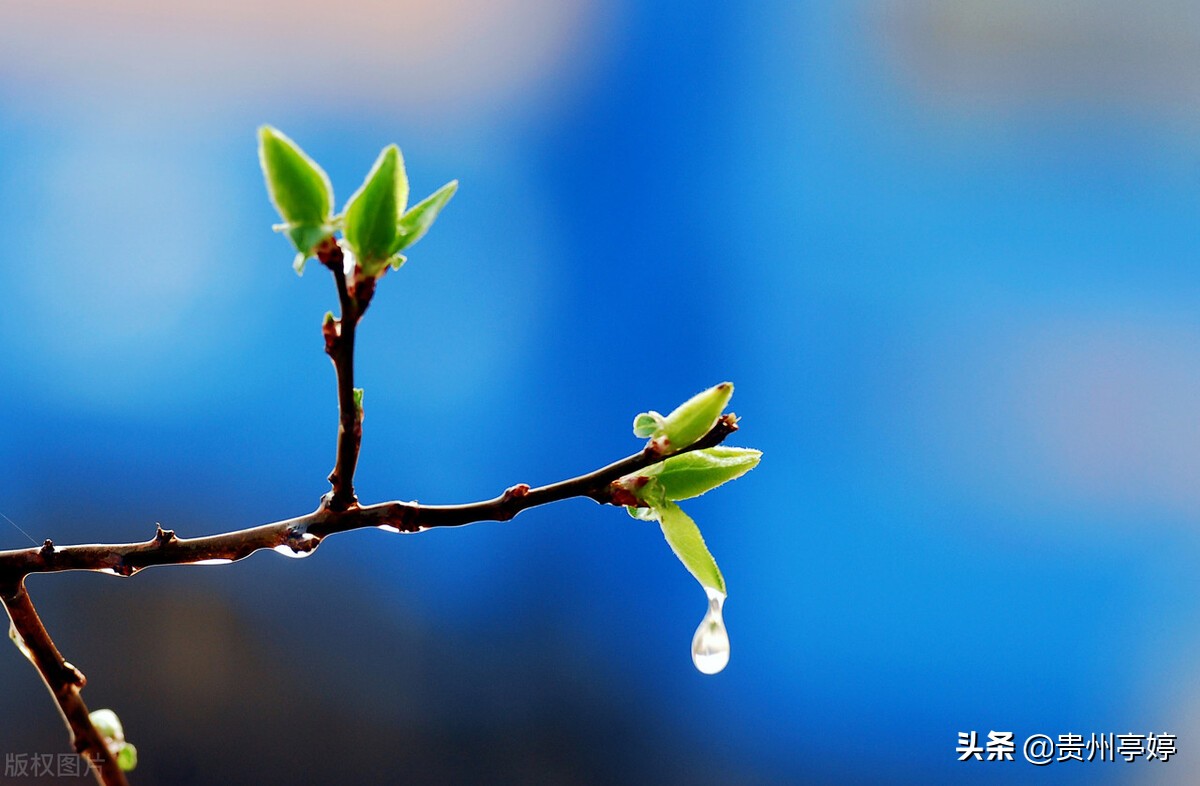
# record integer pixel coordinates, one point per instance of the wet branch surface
(63, 681)
(339, 511)
(304, 533)
(339, 345)
(298, 535)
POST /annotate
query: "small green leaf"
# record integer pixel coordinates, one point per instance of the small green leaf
(694, 473)
(647, 424)
(298, 188)
(373, 212)
(305, 238)
(692, 419)
(416, 222)
(685, 540)
(127, 757)
(358, 402)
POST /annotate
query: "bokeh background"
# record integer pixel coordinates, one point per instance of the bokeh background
(947, 250)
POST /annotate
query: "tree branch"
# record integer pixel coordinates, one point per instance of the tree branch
(338, 511)
(295, 537)
(300, 535)
(63, 680)
(339, 344)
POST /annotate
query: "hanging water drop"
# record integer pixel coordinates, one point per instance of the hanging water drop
(19, 640)
(299, 544)
(710, 645)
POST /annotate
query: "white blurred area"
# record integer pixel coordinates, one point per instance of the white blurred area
(1092, 414)
(1020, 55)
(1074, 397)
(137, 232)
(427, 57)
(102, 97)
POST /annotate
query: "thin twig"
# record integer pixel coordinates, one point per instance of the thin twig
(339, 343)
(63, 681)
(339, 511)
(304, 533)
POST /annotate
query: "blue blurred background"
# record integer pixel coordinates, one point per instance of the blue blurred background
(945, 248)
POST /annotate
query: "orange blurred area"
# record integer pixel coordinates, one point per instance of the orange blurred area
(429, 57)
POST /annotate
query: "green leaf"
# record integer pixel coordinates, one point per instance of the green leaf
(127, 757)
(416, 222)
(685, 540)
(692, 419)
(299, 189)
(694, 473)
(647, 424)
(373, 212)
(305, 238)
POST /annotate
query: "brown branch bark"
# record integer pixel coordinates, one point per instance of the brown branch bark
(63, 681)
(298, 535)
(304, 533)
(339, 344)
(339, 511)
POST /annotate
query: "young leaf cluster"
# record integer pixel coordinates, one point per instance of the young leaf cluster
(685, 476)
(109, 726)
(376, 222)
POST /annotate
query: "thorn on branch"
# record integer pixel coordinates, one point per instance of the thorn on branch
(72, 675)
(331, 330)
(163, 536)
(516, 492)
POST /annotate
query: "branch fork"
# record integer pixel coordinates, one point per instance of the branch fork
(339, 511)
(375, 227)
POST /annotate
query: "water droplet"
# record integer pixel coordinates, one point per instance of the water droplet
(299, 545)
(710, 645)
(19, 640)
(219, 561)
(120, 569)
